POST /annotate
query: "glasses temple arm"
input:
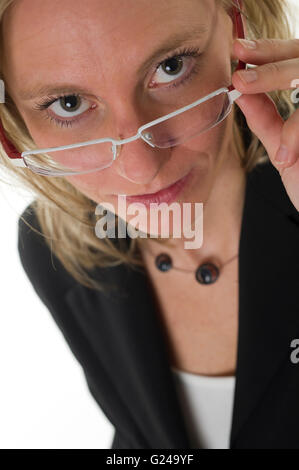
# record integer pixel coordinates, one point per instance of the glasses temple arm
(8, 146)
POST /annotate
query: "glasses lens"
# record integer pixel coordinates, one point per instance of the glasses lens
(190, 123)
(79, 128)
(71, 161)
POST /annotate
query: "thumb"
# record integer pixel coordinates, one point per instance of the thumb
(263, 119)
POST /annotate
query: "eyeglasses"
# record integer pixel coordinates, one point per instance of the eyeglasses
(71, 157)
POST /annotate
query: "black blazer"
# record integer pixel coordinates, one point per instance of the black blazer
(119, 341)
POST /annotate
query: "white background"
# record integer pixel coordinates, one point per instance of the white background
(44, 399)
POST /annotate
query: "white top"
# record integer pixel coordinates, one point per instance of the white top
(207, 407)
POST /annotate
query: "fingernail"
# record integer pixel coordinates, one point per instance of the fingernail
(282, 154)
(248, 44)
(248, 76)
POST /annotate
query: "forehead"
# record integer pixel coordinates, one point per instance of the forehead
(54, 33)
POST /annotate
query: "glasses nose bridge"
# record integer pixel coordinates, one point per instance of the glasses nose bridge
(117, 145)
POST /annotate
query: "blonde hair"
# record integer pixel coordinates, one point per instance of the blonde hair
(67, 217)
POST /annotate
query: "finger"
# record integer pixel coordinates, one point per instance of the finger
(267, 77)
(288, 153)
(263, 119)
(263, 51)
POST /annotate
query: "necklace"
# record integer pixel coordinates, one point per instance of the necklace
(207, 273)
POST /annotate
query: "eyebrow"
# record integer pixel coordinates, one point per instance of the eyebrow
(171, 43)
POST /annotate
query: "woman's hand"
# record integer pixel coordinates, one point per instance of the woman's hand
(278, 69)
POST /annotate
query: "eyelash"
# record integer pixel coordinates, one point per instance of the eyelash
(185, 52)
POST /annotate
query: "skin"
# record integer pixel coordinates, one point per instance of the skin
(42, 40)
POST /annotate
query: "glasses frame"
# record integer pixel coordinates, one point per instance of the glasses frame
(17, 158)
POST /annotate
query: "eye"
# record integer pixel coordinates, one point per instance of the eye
(65, 107)
(69, 106)
(175, 67)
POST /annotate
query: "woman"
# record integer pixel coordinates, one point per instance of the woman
(191, 354)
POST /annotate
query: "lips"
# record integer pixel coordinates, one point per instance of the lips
(167, 195)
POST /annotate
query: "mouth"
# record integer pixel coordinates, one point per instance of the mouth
(168, 194)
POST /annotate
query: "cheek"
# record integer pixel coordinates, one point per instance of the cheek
(211, 143)
(95, 184)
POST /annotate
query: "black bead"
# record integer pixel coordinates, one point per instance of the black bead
(163, 262)
(207, 273)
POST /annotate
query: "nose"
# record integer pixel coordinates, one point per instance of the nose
(138, 162)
